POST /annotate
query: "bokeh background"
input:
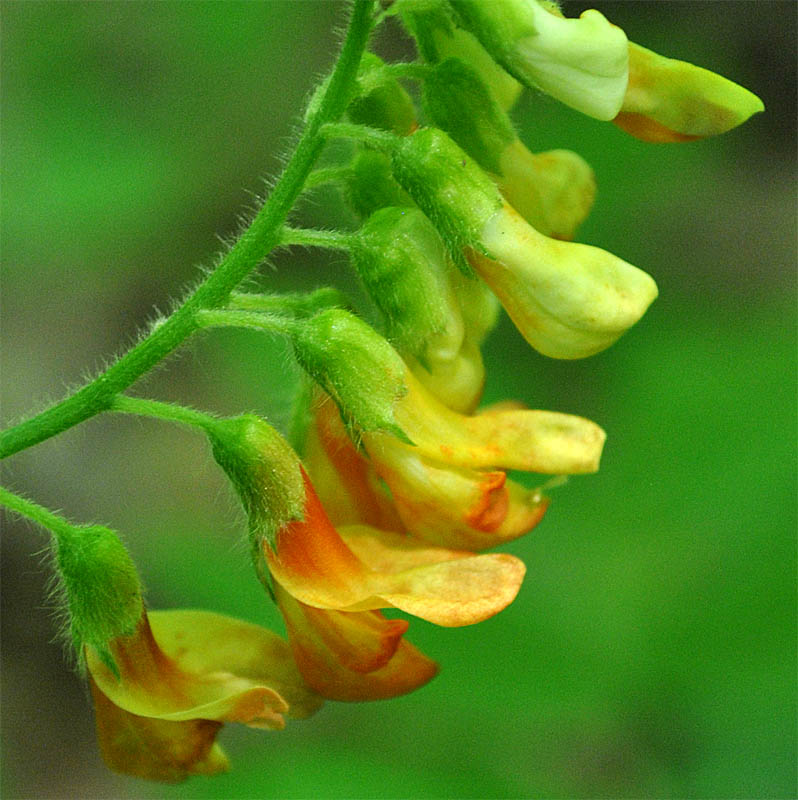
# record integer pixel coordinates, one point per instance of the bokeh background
(652, 650)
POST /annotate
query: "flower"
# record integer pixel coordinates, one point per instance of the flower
(673, 101)
(361, 568)
(182, 674)
(568, 300)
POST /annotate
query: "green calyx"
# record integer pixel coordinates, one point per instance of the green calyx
(382, 101)
(403, 264)
(448, 186)
(264, 471)
(356, 367)
(371, 186)
(101, 587)
(457, 100)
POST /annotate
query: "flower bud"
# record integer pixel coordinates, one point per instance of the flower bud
(568, 300)
(447, 185)
(403, 263)
(355, 366)
(438, 38)
(673, 101)
(264, 470)
(382, 102)
(101, 587)
(582, 62)
(552, 191)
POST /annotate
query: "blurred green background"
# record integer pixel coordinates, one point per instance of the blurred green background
(652, 650)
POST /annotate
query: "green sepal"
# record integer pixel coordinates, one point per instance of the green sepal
(432, 24)
(403, 264)
(264, 471)
(457, 100)
(101, 587)
(371, 184)
(448, 186)
(356, 367)
(382, 101)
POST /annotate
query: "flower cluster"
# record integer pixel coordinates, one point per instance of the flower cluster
(400, 480)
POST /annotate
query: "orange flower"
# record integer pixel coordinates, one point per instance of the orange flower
(352, 656)
(362, 569)
(181, 675)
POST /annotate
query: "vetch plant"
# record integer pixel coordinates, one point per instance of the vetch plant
(396, 481)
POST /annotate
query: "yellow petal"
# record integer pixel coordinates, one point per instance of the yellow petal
(552, 191)
(447, 587)
(455, 507)
(535, 441)
(315, 565)
(156, 749)
(188, 680)
(332, 649)
(568, 300)
(674, 101)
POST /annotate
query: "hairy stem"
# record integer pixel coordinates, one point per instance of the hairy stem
(168, 411)
(251, 248)
(33, 511)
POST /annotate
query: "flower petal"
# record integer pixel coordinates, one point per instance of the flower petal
(347, 486)
(332, 647)
(316, 566)
(535, 441)
(165, 686)
(451, 506)
(156, 749)
(668, 100)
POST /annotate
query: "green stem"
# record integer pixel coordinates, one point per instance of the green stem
(251, 248)
(415, 71)
(379, 139)
(335, 240)
(33, 511)
(168, 411)
(295, 304)
(324, 175)
(224, 318)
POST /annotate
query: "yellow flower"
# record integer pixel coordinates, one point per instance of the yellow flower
(182, 674)
(673, 101)
(568, 300)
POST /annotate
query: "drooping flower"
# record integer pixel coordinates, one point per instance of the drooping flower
(568, 300)
(182, 674)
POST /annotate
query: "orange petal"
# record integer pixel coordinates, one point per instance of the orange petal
(156, 749)
(343, 478)
(455, 507)
(315, 565)
(326, 646)
(536, 441)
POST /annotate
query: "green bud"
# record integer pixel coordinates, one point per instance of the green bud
(448, 186)
(355, 366)
(404, 266)
(458, 101)
(582, 62)
(264, 471)
(438, 38)
(101, 587)
(371, 185)
(382, 101)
